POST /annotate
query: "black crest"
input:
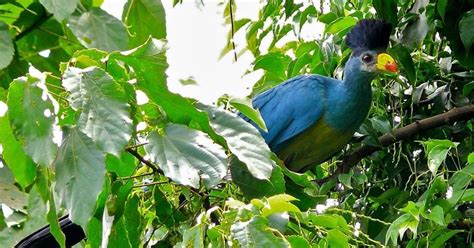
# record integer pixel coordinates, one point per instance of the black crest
(369, 34)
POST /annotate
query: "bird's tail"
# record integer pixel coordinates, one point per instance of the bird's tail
(43, 237)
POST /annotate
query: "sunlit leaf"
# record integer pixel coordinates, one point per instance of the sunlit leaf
(337, 239)
(98, 29)
(243, 140)
(103, 104)
(187, 156)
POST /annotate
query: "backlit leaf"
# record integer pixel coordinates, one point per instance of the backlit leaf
(244, 106)
(466, 29)
(137, 14)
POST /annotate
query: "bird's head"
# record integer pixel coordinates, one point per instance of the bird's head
(368, 40)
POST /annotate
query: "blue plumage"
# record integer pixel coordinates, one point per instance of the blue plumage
(311, 117)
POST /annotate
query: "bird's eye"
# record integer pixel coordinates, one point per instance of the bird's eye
(367, 58)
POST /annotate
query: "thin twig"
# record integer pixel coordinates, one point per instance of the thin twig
(149, 184)
(232, 29)
(144, 161)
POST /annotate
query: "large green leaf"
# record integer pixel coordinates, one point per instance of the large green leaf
(187, 156)
(98, 29)
(80, 172)
(403, 57)
(6, 46)
(337, 239)
(61, 9)
(341, 25)
(243, 140)
(103, 104)
(144, 18)
(253, 187)
(194, 236)
(21, 166)
(256, 233)
(11, 196)
(32, 118)
(466, 30)
(273, 62)
(387, 10)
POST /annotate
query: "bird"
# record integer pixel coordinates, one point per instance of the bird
(310, 118)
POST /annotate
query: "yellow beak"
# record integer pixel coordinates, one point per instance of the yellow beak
(385, 62)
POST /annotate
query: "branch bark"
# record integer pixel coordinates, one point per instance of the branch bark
(453, 115)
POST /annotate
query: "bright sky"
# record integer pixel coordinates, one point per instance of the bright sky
(196, 36)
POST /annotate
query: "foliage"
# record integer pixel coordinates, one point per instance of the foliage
(71, 140)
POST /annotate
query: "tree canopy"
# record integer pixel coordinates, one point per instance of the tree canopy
(74, 139)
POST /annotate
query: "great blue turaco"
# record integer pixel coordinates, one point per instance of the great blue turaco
(309, 117)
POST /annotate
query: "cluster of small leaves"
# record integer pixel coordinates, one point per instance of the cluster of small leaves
(138, 175)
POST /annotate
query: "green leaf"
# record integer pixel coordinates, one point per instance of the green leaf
(255, 233)
(20, 165)
(441, 239)
(163, 208)
(61, 9)
(133, 220)
(273, 62)
(399, 226)
(403, 57)
(187, 156)
(437, 215)
(387, 10)
(32, 117)
(43, 185)
(337, 239)
(11, 195)
(466, 25)
(437, 151)
(253, 187)
(103, 104)
(298, 242)
(467, 88)
(441, 6)
(245, 107)
(98, 29)
(279, 204)
(144, 18)
(462, 178)
(243, 140)
(415, 31)
(323, 220)
(194, 237)
(6, 46)
(346, 179)
(341, 25)
(80, 172)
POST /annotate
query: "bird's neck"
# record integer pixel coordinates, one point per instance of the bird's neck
(351, 97)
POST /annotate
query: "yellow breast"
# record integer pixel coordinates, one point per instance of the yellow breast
(313, 146)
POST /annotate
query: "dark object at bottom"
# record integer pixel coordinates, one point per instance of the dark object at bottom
(43, 237)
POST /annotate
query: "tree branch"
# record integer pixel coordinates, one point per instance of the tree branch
(143, 160)
(453, 115)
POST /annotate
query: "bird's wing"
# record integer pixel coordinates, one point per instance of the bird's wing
(291, 108)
